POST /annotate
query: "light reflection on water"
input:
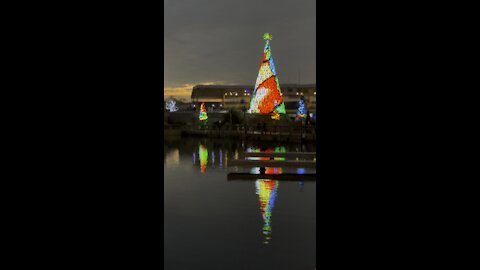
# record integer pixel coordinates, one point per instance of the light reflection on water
(173, 157)
(203, 156)
(205, 214)
(266, 191)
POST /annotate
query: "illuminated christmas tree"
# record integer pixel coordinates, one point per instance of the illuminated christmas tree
(267, 97)
(268, 170)
(171, 105)
(203, 113)
(302, 110)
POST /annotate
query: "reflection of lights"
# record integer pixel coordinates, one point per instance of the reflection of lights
(268, 170)
(213, 158)
(220, 160)
(301, 170)
(266, 191)
(203, 155)
(280, 149)
(171, 106)
(302, 110)
(226, 158)
(172, 157)
(301, 184)
(194, 158)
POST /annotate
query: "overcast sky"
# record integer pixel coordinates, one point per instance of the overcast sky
(221, 41)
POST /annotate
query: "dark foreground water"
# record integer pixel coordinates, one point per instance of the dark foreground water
(213, 223)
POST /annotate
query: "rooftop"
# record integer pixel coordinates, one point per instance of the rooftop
(219, 90)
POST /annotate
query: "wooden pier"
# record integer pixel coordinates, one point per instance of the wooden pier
(303, 155)
(273, 163)
(291, 133)
(245, 162)
(282, 177)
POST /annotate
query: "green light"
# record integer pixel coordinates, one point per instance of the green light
(203, 155)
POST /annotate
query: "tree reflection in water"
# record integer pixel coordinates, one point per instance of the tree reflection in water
(203, 156)
(266, 191)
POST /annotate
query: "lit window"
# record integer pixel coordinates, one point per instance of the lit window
(297, 93)
(236, 94)
(225, 94)
(314, 93)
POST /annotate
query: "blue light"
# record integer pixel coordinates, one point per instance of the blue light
(220, 158)
(272, 67)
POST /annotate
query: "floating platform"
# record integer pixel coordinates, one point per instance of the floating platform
(273, 163)
(306, 155)
(282, 177)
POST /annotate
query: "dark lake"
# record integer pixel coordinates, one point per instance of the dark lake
(213, 223)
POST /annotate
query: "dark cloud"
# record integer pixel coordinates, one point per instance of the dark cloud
(221, 40)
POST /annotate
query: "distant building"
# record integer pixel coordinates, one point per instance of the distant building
(237, 96)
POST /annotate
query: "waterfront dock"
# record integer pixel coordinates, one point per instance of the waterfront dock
(246, 132)
(282, 177)
(273, 163)
(303, 155)
(245, 160)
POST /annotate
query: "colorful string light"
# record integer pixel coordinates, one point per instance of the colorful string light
(268, 170)
(203, 113)
(171, 105)
(302, 110)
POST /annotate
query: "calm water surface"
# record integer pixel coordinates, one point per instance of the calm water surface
(213, 223)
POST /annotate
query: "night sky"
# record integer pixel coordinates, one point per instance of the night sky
(220, 42)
